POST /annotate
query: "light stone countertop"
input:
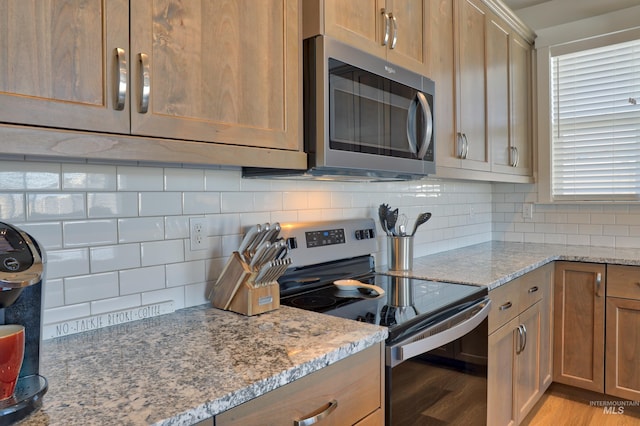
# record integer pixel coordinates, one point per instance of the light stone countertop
(187, 366)
(495, 263)
(192, 364)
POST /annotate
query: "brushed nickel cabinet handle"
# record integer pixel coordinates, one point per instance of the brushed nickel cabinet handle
(316, 418)
(533, 289)
(524, 337)
(517, 157)
(394, 40)
(145, 83)
(387, 27)
(120, 86)
(520, 339)
(505, 306)
(598, 283)
(465, 145)
(459, 145)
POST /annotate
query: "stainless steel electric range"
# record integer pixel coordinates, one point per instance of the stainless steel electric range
(436, 352)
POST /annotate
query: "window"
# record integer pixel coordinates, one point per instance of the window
(595, 123)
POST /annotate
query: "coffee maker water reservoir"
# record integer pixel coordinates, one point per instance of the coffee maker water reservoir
(22, 273)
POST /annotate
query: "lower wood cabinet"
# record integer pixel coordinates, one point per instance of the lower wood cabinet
(519, 346)
(622, 366)
(355, 386)
(579, 298)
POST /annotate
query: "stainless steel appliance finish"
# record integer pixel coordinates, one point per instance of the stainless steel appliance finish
(365, 119)
(22, 272)
(436, 355)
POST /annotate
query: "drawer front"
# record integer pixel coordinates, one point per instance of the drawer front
(623, 281)
(505, 305)
(355, 383)
(531, 286)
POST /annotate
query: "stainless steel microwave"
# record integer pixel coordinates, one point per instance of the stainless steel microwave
(364, 118)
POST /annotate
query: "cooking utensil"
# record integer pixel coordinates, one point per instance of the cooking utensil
(256, 242)
(422, 218)
(382, 215)
(402, 225)
(354, 285)
(257, 259)
(392, 219)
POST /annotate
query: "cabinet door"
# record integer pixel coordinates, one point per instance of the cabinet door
(579, 303)
(412, 20)
(521, 111)
(219, 71)
(527, 383)
(58, 66)
(623, 348)
(498, 116)
(359, 23)
(442, 71)
(471, 77)
(501, 409)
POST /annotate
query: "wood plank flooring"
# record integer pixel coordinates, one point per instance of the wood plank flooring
(568, 406)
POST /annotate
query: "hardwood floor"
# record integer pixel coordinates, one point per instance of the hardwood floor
(567, 406)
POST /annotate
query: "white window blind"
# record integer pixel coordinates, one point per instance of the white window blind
(596, 124)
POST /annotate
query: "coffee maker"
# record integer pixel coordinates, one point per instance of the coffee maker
(22, 273)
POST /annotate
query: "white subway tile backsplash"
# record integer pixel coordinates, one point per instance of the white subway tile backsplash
(85, 288)
(162, 252)
(48, 234)
(176, 227)
(66, 313)
(88, 177)
(222, 180)
(176, 295)
(160, 203)
(115, 304)
(133, 230)
(194, 294)
(12, 207)
(140, 178)
(112, 204)
(139, 280)
(183, 179)
(114, 258)
(88, 233)
(180, 274)
(201, 203)
(53, 293)
(55, 206)
(65, 263)
(31, 176)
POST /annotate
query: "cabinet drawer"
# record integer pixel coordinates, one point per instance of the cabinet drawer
(531, 286)
(355, 383)
(623, 281)
(505, 305)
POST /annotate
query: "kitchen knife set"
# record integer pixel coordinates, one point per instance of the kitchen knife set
(248, 283)
(265, 253)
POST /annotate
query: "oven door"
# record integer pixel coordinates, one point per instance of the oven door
(439, 375)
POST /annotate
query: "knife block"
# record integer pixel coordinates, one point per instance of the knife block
(236, 291)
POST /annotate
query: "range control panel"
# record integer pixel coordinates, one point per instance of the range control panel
(317, 242)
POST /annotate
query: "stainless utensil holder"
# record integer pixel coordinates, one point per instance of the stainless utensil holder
(237, 291)
(400, 253)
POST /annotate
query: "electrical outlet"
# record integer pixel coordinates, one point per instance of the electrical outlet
(527, 211)
(198, 233)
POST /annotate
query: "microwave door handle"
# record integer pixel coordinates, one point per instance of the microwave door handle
(428, 119)
(412, 137)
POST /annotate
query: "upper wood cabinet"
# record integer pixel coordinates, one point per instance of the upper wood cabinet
(59, 65)
(486, 82)
(220, 71)
(395, 30)
(169, 71)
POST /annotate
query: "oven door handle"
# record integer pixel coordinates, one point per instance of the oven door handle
(424, 342)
